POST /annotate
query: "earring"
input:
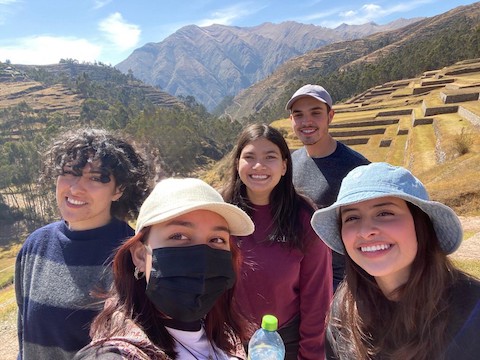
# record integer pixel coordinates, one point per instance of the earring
(137, 274)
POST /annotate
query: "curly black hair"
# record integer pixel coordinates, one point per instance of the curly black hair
(117, 157)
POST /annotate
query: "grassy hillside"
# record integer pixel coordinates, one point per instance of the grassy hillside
(429, 124)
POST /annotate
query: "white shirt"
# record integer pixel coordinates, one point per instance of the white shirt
(194, 345)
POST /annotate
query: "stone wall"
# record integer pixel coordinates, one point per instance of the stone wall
(456, 98)
(470, 116)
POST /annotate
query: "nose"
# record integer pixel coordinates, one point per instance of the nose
(77, 184)
(367, 229)
(306, 120)
(258, 165)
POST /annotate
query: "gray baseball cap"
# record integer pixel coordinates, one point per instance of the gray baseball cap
(315, 91)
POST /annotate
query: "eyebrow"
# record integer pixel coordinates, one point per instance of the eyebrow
(190, 225)
(344, 210)
(266, 152)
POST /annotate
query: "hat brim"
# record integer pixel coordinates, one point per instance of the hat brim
(239, 223)
(445, 222)
(298, 97)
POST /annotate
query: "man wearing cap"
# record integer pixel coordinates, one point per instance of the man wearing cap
(321, 164)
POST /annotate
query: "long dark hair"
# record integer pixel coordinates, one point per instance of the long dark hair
(285, 201)
(368, 325)
(128, 298)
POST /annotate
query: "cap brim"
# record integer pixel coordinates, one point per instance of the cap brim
(239, 223)
(295, 98)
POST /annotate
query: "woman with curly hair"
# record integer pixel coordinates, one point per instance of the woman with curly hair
(101, 181)
(402, 298)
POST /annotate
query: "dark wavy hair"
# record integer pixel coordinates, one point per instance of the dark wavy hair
(117, 157)
(285, 200)
(222, 324)
(367, 325)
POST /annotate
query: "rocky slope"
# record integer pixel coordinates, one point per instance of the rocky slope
(211, 63)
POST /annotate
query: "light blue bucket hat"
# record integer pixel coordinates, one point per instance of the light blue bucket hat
(378, 180)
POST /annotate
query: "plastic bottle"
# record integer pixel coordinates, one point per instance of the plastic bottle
(266, 343)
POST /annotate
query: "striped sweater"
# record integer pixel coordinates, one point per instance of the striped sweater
(55, 273)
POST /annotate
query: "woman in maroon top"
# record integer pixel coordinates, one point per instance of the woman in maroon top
(286, 268)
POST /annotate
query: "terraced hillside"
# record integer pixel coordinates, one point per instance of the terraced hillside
(429, 124)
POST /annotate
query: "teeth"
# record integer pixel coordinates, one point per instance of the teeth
(259, 177)
(374, 248)
(75, 202)
(308, 131)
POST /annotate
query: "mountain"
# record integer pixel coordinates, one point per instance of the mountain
(217, 61)
(47, 87)
(350, 67)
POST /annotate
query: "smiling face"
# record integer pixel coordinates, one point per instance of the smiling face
(194, 228)
(260, 167)
(310, 120)
(379, 236)
(85, 199)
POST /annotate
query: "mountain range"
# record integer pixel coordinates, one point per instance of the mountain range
(350, 67)
(218, 61)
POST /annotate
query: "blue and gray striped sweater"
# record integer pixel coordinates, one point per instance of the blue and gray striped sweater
(55, 274)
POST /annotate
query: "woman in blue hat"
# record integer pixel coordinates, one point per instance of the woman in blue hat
(402, 297)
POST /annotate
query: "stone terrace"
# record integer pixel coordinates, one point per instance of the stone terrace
(388, 117)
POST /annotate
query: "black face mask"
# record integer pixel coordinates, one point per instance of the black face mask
(185, 282)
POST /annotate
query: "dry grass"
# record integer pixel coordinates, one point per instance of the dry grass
(470, 266)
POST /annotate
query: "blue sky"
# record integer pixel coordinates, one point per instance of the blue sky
(45, 31)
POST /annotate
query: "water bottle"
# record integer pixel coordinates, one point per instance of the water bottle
(266, 343)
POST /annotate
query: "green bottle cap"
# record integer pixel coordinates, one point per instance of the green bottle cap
(269, 323)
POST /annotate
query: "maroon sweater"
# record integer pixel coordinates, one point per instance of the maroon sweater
(286, 283)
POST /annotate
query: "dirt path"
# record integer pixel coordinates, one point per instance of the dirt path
(470, 249)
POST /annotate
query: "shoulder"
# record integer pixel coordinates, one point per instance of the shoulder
(464, 322)
(121, 348)
(352, 154)
(48, 229)
(299, 153)
(47, 232)
(106, 352)
(466, 290)
(121, 227)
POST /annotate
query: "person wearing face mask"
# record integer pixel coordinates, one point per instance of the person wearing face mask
(173, 281)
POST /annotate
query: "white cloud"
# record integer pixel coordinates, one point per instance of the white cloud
(373, 12)
(228, 15)
(314, 17)
(41, 50)
(100, 3)
(122, 35)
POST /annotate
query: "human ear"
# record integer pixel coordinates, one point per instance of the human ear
(118, 193)
(331, 113)
(139, 256)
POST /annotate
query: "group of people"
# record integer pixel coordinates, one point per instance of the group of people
(350, 256)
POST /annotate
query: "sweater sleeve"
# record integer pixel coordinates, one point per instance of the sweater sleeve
(315, 294)
(20, 299)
